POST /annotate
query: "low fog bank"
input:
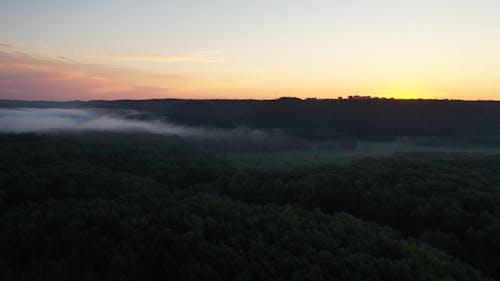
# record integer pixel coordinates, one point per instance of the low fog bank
(53, 120)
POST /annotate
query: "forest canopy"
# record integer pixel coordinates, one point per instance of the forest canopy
(118, 206)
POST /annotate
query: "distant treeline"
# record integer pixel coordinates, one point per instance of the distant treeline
(359, 118)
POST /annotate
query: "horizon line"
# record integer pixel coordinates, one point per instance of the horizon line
(340, 98)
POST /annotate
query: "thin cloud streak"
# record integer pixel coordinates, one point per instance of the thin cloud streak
(28, 77)
(201, 57)
(5, 45)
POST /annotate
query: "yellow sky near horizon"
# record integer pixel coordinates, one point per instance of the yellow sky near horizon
(260, 49)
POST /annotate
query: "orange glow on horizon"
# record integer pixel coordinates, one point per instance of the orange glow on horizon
(60, 79)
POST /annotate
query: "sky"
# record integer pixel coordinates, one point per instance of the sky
(259, 49)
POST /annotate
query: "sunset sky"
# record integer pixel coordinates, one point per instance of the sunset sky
(111, 49)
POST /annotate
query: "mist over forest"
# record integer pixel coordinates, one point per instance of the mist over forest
(59, 120)
(287, 189)
(354, 118)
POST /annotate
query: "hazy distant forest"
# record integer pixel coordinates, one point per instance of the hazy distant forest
(287, 189)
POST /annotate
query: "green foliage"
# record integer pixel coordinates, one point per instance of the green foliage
(450, 201)
(145, 207)
(157, 235)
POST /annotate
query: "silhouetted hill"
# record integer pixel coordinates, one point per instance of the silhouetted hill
(359, 118)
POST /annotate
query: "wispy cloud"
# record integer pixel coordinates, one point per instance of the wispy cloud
(5, 45)
(24, 76)
(199, 57)
(62, 76)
